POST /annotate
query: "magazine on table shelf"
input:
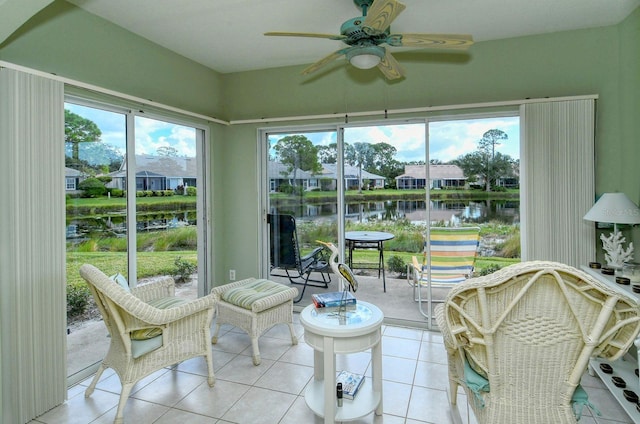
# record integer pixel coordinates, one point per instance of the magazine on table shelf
(351, 382)
(333, 299)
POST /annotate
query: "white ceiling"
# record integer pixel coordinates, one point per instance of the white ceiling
(227, 35)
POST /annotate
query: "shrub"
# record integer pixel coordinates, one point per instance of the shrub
(92, 187)
(396, 264)
(511, 247)
(183, 270)
(489, 269)
(116, 192)
(191, 191)
(90, 245)
(77, 299)
(285, 188)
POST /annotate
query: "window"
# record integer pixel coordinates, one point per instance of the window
(71, 183)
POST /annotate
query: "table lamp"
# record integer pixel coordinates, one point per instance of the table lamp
(615, 208)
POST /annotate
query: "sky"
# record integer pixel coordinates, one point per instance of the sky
(448, 139)
(150, 133)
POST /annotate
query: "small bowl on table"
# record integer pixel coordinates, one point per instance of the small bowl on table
(619, 382)
(606, 368)
(623, 280)
(630, 395)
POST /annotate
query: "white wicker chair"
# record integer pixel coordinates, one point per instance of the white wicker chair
(186, 330)
(530, 330)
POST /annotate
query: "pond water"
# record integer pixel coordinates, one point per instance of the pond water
(80, 229)
(415, 211)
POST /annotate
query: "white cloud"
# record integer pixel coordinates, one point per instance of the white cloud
(451, 139)
(152, 134)
(408, 139)
(448, 139)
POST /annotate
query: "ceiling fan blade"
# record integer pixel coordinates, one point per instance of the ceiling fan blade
(444, 41)
(390, 67)
(306, 34)
(325, 60)
(380, 15)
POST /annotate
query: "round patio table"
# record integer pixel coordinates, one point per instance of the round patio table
(368, 240)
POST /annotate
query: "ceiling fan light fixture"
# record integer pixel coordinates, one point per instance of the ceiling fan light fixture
(365, 57)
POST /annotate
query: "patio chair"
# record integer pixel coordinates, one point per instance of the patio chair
(519, 340)
(285, 254)
(449, 257)
(149, 329)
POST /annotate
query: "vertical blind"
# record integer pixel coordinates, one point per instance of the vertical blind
(557, 181)
(32, 251)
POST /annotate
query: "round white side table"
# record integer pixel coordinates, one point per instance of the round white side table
(329, 334)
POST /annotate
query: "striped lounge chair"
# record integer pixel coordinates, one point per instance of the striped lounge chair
(449, 257)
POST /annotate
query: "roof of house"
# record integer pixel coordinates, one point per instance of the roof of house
(329, 170)
(70, 172)
(278, 170)
(167, 166)
(436, 172)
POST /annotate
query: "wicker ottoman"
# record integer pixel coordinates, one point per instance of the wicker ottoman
(254, 305)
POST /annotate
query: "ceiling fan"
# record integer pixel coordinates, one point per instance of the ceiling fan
(364, 36)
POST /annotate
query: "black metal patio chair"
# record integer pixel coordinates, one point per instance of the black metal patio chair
(285, 254)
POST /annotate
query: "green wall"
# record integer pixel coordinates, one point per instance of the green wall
(603, 61)
(67, 41)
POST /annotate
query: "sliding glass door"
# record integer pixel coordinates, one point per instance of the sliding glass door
(391, 180)
(134, 207)
(299, 182)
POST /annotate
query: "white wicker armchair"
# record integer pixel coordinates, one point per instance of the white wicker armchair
(185, 329)
(530, 330)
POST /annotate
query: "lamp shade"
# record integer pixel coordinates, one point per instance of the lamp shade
(614, 208)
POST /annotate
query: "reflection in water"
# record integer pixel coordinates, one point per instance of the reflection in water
(81, 229)
(470, 211)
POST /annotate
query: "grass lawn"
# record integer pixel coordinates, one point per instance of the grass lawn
(150, 264)
(162, 263)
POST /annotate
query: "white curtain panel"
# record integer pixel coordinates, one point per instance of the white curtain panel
(557, 181)
(32, 251)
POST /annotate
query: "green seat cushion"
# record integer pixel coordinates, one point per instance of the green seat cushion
(141, 347)
(476, 382)
(151, 332)
(167, 302)
(146, 333)
(245, 295)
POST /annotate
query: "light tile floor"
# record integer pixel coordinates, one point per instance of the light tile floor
(414, 385)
